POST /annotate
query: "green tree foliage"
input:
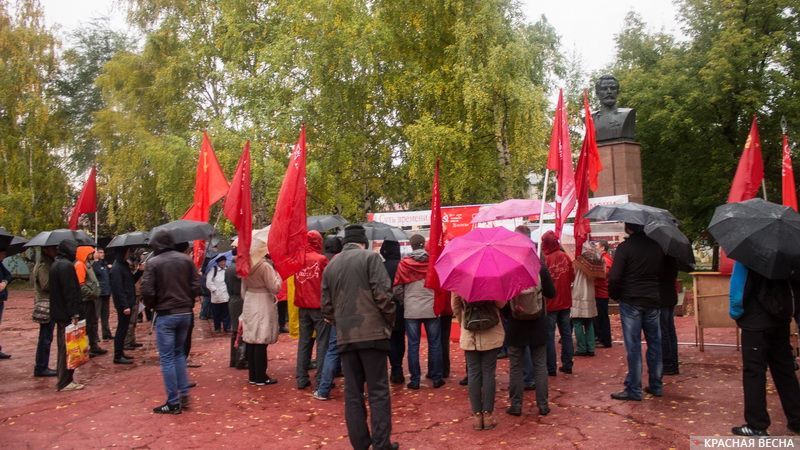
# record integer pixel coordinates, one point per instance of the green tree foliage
(33, 187)
(695, 98)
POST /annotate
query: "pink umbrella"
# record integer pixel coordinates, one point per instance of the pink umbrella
(511, 209)
(488, 264)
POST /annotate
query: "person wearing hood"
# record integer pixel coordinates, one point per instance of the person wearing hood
(123, 292)
(169, 285)
(41, 312)
(558, 308)
(634, 280)
(65, 300)
(90, 293)
(417, 300)
(215, 283)
(390, 251)
(308, 282)
(333, 246)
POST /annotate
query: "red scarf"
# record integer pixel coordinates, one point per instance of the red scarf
(410, 270)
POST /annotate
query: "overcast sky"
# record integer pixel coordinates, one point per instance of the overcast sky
(587, 27)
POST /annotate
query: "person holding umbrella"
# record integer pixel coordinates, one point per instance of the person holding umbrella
(764, 240)
(123, 291)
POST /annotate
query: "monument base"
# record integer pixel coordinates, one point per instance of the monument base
(622, 170)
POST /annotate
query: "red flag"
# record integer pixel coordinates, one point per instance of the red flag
(287, 235)
(210, 185)
(750, 171)
(559, 159)
(238, 209)
(787, 177)
(441, 302)
(87, 201)
(588, 163)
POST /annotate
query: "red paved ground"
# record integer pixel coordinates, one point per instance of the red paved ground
(114, 409)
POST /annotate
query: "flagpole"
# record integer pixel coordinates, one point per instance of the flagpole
(541, 210)
(764, 188)
(96, 237)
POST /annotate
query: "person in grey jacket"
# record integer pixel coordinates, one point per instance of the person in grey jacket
(103, 272)
(355, 298)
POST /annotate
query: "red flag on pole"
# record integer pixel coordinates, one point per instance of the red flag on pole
(441, 299)
(588, 166)
(559, 159)
(238, 209)
(287, 235)
(750, 171)
(210, 185)
(788, 187)
(87, 201)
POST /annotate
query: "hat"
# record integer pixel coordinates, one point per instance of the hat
(356, 234)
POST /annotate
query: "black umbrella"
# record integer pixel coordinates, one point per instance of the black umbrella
(379, 231)
(134, 238)
(186, 230)
(631, 213)
(50, 238)
(5, 238)
(673, 242)
(325, 223)
(17, 245)
(761, 235)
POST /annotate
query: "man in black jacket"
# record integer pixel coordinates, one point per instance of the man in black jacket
(65, 298)
(634, 280)
(123, 291)
(765, 343)
(169, 286)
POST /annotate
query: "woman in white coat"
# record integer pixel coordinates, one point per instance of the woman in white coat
(215, 282)
(259, 319)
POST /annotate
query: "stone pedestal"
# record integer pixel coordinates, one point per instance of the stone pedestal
(622, 170)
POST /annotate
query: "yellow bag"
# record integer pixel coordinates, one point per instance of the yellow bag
(77, 345)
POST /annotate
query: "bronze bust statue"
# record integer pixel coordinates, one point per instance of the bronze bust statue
(612, 123)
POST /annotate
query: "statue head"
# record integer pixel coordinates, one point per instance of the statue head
(607, 89)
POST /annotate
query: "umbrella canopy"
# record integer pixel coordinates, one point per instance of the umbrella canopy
(631, 213)
(5, 238)
(258, 245)
(379, 231)
(50, 238)
(511, 209)
(673, 242)
(325, 223)
(134, 238)
(186, 230)
(488, 264)
(17, 245)
(761, 235)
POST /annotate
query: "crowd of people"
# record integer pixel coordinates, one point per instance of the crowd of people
(364, 312)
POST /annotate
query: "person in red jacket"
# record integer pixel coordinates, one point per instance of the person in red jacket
(307, 292)
(563, 274)
(602, 323)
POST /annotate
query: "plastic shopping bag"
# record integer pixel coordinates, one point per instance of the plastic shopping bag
(77, 345)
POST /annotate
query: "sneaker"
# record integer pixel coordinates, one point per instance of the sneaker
(747, 430)
(318, 396)
(73, 387)
(625, 396)
(166, 408)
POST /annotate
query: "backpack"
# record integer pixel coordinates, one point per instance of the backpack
(479, 316)
(528, 304)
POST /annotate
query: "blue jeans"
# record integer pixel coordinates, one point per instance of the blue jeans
(43, 347)
(205, 308)
(433, 330)
(331, 366)
(171, 332)
(636, 319)
(562, 320)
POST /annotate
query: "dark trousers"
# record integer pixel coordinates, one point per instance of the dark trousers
(257, 362)
(222, 318)
(187, 346)
(101, 308)
(89, 313)
(130, 336)
(669, 339)
(446, 325)
(123, 321)
(560, 320)
(43, 347)
(367, 367)
(64, 374)
(283, 313)
(516, 385)
(481, 370)
(310, 321)
(397, 342)
(602, 324)
(235, 305)
(760, 350)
